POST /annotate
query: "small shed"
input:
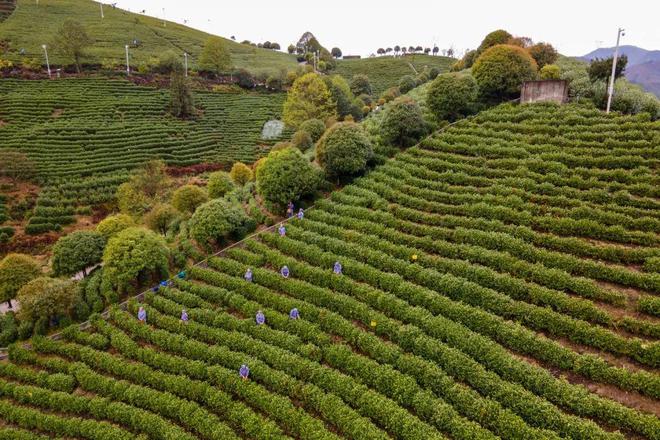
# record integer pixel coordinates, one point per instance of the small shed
(554, 90)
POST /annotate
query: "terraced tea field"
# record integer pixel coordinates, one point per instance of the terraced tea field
(490, 285)
(84, 135)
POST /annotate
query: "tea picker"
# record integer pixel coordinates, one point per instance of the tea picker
(248, 275)
(337, 268)
(260, 318)
(244, 372)
(284, 271)
(294, 314)
(142, 315)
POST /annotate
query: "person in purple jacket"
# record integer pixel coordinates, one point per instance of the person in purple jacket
(337, 268)
(244, 372)
(294, 314)
(248, 275)
(289, 209)
(184, 316)
(301, 214)
(142, 315)
(284, 271)
(282, 231)
(260, 318)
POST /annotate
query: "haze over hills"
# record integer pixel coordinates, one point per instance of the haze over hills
(643, 65)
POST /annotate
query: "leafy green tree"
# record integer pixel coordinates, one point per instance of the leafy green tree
(134, 257)
(341, 95)
(336, 52)
(217, 220)
(188, 197)
(182, 102)
(550, 71)
(113, 224)
(161, 217)
(77, 251)
(219, 184)
(601, 69)
(360, 85)
(501, 70)
(215, 56)
(71, 41)
(452, 96)
(302, 140)
(499, 36)
(240, 173)
(315, 128)
(344, 150)
(46, 298)
(131, 201)
(543, 54)
(407, 83)
(151, 179)
(16, 270)
(403, 123)
(291, 49)
(286, 175)
(308, 98)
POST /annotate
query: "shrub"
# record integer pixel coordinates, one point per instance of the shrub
(274, 83)
(134, 254)
(77, 251)
(286, 175)
(161, 217)
(601, 69)
(501, 70)
(360, 85)
(341, 94)
(495, 38)
(182, 102)
(113, 224)
(543, 54)
(131, 201)
(433, 73)
(452, 96)
(403, 123)
(188, 197)
(391, 94)
(218, 219)
(219, 184)
(550, 71)
(16, 270)
(169, 62)
(240, 173)
(344, 150)
(652, 265)
(44, 298)
(244, 79)
(215, 56)
(302, 140)
(315, 128)
(407, 83)
(308, 98)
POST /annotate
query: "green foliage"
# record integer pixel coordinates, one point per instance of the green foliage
(217, 220)
(342, 97)
(308, 98)
(134, 257)
(344, 150)
(188, 197)
(71, 41)
(16, 270)
(452, 96)
(360, 85)
(550, 71)
(182, 103)
(77, 251)
(286, 175)
(44, 298)
(407, 83)
(113, 224)
(130, 201)
(315, 128)
(16, 166)
(601, 69)
(543, 53)
(219, 184)
(627, 98)
(403, 124)
(215, 56)
(302, 140)
(501, 70)
(162, 216)
(494, 38)
(240, 173)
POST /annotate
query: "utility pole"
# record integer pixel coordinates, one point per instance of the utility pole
(101, 5)
(185, 62)
(164, 22)
(47, 63)
(128, 69)
(610, 89)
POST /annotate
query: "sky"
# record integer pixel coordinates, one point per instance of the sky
(360, 27)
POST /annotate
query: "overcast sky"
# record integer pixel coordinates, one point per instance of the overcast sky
(360, 27)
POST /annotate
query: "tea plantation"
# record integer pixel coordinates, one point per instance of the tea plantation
(84, 135)
(490, 284)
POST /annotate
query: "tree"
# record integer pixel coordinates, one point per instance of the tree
(266, 45)
(215, 56)
(308, 98)
(71, 41)
(601, 69)
(452, 96)
(16, 166)
(161, 217)
(336, 52)
(360, 85)
(550, 71)
(388, 50)
(427, 50)
(543, 54)
(436, 49)
(403, 123)
(46, 298)
(286, 175)
(240, 173)
(133, 257)
(302, 140)
(450, 52)
(344, 150)
(380, 51)
(397, 49)
(188, 197)
(291, 49)
(315, 128)
(181, 97)
(418, 49)
(407, 83)
(218, 219)
(341, 95)
(501, 70)
(219, 184)
(404, 50)
(151, 178)
(499, 36)
(77, 252)
(113, 224)
(16, 270)
(130, 200)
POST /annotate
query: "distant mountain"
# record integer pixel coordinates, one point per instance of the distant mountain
(643, 65)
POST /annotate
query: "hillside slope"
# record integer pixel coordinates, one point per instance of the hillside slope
(478, 269)
(32, 25)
